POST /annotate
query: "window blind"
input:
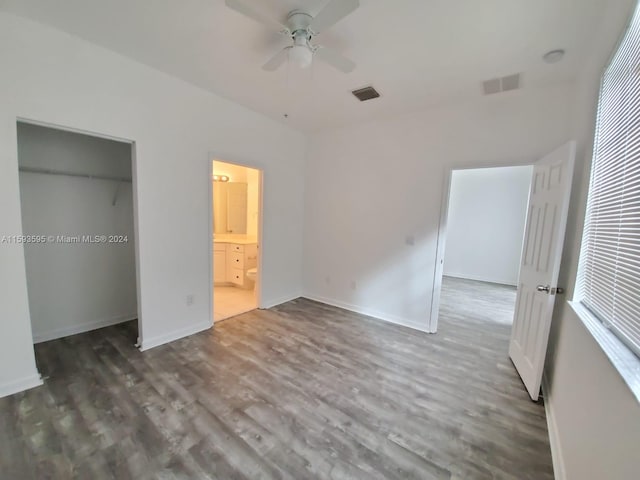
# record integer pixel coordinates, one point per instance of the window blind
(609, 279)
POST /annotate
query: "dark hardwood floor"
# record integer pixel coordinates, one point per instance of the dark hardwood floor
(301, 391)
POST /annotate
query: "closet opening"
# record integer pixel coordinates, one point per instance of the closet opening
(77, 196)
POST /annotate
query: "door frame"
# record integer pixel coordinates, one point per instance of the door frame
(241, 162)
(441, 239)
(134, 190)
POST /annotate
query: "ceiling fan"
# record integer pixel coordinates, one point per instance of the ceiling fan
(301, 27)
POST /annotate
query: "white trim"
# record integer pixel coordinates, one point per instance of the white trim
(477, 278)
(67, 128)
(136, 236)
(620, 355)
(258, 281)
(81, 328)
(278, 301)
(441, 242)
(20, 385)
(554, 437)
(175, 335)
(368, 312)
(211, 243)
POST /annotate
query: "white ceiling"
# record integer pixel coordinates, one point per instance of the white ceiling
(417, 53)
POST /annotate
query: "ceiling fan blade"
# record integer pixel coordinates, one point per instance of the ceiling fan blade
(335, 59)
(332, 13)
(245, 8)
(277, 60)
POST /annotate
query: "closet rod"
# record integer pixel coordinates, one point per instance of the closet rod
(72, 174)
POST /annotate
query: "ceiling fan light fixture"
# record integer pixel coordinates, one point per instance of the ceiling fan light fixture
(300, 55)
(301, 27)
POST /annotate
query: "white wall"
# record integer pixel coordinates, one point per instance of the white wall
(595, 416)
(488, 205)
(76, 287)
(53, 77)
(369, 187)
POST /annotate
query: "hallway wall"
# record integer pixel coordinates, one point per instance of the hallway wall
(485, 224)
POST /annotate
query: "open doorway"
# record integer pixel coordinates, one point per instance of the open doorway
(78, 219)
(480, 245)
(236, 224)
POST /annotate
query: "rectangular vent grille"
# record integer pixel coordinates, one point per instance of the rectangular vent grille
(366, 93)
(502, 84)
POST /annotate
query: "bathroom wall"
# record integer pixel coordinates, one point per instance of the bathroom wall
(250, 176)
(236, 173)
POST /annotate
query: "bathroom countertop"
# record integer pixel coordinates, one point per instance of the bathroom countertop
(238, 239)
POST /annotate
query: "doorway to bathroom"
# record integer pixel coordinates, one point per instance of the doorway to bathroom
(236, 213)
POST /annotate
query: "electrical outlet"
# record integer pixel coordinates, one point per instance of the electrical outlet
(327, 280)
(189, 300)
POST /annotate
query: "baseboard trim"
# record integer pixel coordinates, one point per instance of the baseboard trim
(554, 438)
(17, 386)
(81, 328)
(174, 335)
(478, 279)
(366, 311)
(278, 301)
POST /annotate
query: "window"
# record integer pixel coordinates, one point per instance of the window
(609, 277)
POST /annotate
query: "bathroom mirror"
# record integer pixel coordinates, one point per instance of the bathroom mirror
(229, 208)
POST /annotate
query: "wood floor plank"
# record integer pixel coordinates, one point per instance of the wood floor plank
(300, 391)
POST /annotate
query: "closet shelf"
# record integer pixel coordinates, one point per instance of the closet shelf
(47, 171)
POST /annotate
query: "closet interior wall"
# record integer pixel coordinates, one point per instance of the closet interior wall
(77, 215)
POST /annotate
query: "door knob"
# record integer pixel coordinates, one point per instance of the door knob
(548, 289)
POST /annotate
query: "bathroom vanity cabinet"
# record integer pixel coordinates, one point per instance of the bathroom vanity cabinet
(219, 263)
(231, 262)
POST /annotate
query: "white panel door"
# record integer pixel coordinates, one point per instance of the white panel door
(540, 264)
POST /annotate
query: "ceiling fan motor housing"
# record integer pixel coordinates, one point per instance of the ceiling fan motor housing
(301, 52)
(298, 23)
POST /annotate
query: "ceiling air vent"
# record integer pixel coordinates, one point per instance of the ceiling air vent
(366, 93)
(502, 84)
